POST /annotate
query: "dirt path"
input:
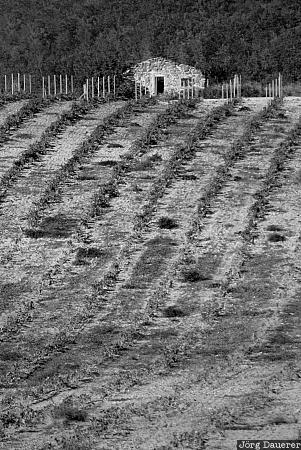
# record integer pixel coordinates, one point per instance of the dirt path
(10, 108)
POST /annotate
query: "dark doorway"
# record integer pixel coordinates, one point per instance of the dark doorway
(160, 85)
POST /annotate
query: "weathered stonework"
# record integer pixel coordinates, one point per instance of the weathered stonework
(159, 75)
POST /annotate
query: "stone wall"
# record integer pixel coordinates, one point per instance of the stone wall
(147, 71)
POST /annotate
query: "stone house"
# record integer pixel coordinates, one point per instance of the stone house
(162, 76)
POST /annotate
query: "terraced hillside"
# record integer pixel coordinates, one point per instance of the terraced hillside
(150, 276)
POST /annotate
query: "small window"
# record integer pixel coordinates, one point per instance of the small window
(185, 82)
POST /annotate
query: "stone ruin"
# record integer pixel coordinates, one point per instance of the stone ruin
(162, 76)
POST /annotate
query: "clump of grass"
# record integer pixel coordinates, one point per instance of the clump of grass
(174, 311)
(84, 255)
(147, 163)
(34, 233)
(276, 237)
(280, 419)
(142, 165)
(188, 176)
(58, 226)
(114, 145)
(167, 222)
(192, 274)
(281, 115)
(70, 413)
(244, 108)
(103, 196)
(9, 355)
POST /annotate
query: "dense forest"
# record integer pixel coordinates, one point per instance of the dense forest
(86, 37)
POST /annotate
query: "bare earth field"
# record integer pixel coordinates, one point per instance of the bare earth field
(153, 301)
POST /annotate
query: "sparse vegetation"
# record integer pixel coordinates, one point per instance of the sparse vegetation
(15, 120)
(130, 324)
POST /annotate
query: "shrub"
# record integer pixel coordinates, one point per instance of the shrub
(114, 145)
(70, 413)
(84, 255)
(192, 274)
(174, 311)
(276, 237)
(167, 222)
(252, 89)
(126, 89)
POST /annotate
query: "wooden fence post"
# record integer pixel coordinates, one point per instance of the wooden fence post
(54, 84)
(231, 94)
(103, 87)
(136, 93)
(5, 83)
(12, 84)
(222, 90)
(18, 83)
(227, 92)
(272, 84)
(98, 87)
(24, 83)
(109, 86)
(66, 84)
(43, 86)
(61, 84)
(87, 89)
(49, 86)
(92, 87)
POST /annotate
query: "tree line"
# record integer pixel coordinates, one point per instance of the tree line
(257, 38)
